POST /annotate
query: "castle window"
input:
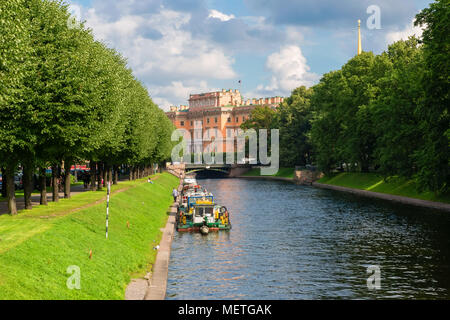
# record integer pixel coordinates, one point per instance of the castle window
(215, 119)
(182, 123)
(229, 119)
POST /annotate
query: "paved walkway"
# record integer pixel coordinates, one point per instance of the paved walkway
(154, 285)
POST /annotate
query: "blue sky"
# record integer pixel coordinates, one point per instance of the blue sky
(178, 47)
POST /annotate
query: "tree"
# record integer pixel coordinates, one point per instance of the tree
(294, 116)
(433, 157)
(341, 100)
(325, 126)
(17, 118)
(65, 97)
(394, 110)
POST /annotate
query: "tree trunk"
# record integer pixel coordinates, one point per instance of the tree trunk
(99, 176)
(93, 167)
(115, 174)
(75, 175)
(105, 175)
(10, 189)
(27, 180)
(110, 175)
(55, 186)
(67, 165)
(4, 183)
(43, 186)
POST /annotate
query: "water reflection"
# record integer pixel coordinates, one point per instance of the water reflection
(294, 242)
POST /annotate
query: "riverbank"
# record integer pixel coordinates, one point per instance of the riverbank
(37, 246)
(368, 185)
(284, 174)
(389, 197)
(287, 173)
(376, 183)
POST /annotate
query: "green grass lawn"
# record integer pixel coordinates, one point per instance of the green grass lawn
(37, 246)
(20, 193)
(282, 172)
(374, 182)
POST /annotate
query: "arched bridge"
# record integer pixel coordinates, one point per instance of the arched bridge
(223, 168)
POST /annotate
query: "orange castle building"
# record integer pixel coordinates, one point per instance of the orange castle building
(214, 115)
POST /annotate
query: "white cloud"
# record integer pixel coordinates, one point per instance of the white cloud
(179, 91)
(163, 53)
(408, 31)
(219, 15)
(289, 70)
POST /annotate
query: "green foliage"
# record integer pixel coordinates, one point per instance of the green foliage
(66, 97)
(294, 121)
(261, 117)
(433, 156)
(342, 127)
(384, 113)
(389, 113)
(16, 117)
(394, 110)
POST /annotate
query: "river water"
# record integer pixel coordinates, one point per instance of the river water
(297, 242)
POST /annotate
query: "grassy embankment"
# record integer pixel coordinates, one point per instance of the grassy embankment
(282, 173)
(374, 182)
(37, 246)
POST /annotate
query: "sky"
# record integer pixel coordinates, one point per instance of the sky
(181, 47)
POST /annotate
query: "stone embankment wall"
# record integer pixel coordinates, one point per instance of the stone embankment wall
(177, 170)
(237, 171)
(306, 177)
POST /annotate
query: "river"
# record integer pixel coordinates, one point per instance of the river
(297, 242)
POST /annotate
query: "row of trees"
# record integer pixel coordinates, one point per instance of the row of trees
(66, 98)
(387, 112)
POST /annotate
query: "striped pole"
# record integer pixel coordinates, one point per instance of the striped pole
(107, 207)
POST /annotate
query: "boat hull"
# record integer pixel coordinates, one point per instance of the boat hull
(191, 228)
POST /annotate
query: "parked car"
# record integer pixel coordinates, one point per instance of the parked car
(18, 181)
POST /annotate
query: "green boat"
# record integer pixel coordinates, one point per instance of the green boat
(203, 216)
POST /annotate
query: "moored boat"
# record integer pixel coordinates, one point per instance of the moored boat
(202, 215)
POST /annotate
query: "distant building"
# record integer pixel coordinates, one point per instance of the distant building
(214, 115)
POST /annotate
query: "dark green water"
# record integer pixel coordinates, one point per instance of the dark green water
(295, 242)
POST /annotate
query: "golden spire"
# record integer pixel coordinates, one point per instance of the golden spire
(359, 37)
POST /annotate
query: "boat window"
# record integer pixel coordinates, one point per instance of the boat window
(209, 211)
(199, 212)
